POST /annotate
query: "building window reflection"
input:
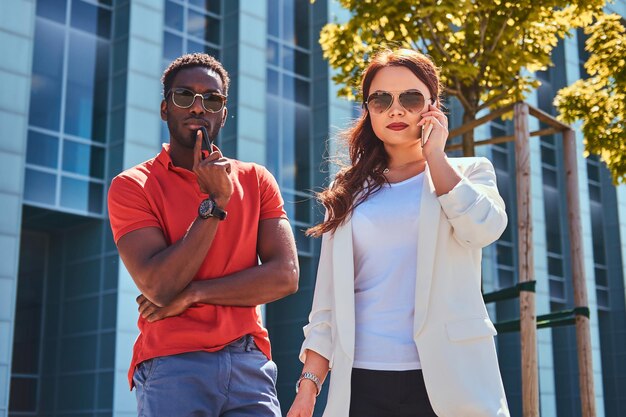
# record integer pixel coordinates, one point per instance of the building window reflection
(69, 106)
(288, 103)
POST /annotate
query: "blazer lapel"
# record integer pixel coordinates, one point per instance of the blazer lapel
(430, 213)
(343, 273)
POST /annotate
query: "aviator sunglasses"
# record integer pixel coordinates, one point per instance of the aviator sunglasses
(212, 102)
(380, 101)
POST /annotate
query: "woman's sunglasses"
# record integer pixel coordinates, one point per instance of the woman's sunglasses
(380, 101)
(211, 102)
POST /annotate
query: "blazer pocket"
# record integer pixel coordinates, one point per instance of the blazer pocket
(468, 329)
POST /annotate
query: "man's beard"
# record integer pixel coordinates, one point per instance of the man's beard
(187, 137)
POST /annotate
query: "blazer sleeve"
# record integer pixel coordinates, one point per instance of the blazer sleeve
(474, 206)
(318, 334)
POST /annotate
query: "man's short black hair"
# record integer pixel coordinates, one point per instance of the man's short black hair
(193, 60)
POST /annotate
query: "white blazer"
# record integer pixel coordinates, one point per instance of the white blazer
(452, 331)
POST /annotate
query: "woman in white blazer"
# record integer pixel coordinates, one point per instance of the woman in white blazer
(398, 314)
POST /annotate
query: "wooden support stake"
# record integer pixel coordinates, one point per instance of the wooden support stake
(528, 318)
(583, 334)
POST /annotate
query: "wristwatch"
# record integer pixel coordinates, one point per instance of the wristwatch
(208, 208)
(311, 377)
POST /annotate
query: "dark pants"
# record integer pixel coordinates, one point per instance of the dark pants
(389, 394)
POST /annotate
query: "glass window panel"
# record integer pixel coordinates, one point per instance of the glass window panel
(603, 298)
(39, 187)
(172, 46)
(76, 392)
(272, 133)
(83, 159)
(552, 221)
(557, 289)
(78, 194)
(95, 197)
(289, 87)
(593, 171)
(212, 6)
(107, 349)
(555, 266)
(303, 243)
(287, 138)
(47, 77)
(302, 63)
(548, 156)
(302, 23)
(601, 277)
(74, 193)
(273, 11)
(109, 308)
(193, 46)
(272, 82)
(597, 234)
(87, 87)
(506, 278)
(595, 193)
(288, 21)
(288, 59)
(549, 177)
(289, 205)
(272, 53)
(303, 213)
(500, 160)
(203, 27)
(90, 18)
(303, 154)
(52, 9)
(23, 394)
(504, 255)
(174, 16)
(27, 335)
(42, 150)
(302, 92)
(106, 382)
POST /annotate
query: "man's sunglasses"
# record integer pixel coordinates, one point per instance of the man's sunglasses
(211, 102)
(380, 101)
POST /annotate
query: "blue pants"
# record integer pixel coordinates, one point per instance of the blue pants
(237, 381)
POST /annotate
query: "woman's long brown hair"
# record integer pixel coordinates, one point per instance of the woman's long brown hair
(364, 177)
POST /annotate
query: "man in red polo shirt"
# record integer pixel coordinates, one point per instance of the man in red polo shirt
(191, 227)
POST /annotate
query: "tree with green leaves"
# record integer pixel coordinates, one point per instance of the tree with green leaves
(482, 46)
(600, 100)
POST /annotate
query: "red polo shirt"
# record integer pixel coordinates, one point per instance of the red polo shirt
(158, 194)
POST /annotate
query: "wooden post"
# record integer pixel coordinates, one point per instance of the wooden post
(528, 318)
(583, 334)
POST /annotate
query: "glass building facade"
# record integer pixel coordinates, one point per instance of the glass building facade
(80, 102)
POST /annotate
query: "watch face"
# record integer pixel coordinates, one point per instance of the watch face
(206, 208)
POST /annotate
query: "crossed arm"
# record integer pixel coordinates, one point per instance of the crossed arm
(164, 274)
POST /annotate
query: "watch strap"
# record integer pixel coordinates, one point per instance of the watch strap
(311, 377)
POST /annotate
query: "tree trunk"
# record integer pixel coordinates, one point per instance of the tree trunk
(468, 137)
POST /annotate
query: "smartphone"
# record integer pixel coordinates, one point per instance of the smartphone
(426, 131)
(206, 139)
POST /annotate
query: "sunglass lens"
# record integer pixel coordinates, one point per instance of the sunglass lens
(213, 102)
(379, 102)
(183, 98)
(413, 101)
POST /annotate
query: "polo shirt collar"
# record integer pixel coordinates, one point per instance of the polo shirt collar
(164, 156)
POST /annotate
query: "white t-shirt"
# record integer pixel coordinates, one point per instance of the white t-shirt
(384, 237)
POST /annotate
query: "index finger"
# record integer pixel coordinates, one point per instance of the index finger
(197, 149)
